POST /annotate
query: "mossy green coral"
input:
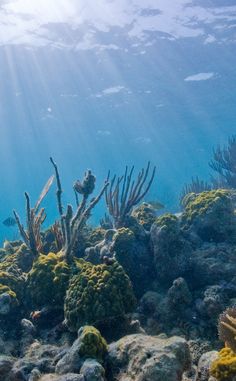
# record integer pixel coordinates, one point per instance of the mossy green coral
(168, 220)
(93, 345)
(48, 280)
(5, 289)
(198, 204)
(98, 293)
(14, 280)
(211, 213)
(19, 256)
(145, 214)
(123, 241)
(95, 236)
(224, 367)
(12, 284)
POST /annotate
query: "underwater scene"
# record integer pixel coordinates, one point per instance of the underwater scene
(118, 190)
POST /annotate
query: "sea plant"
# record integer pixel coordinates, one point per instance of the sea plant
(196, 186)
(124, 193)
(224, 164)
(34, 218)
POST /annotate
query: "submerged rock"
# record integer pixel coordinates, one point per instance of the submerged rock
(213, 263)
(6, 364)
(203, 370)
(64, 377)
(211, 215)
(92, 370)
(172, 252)
(146, 358)
(38, 358)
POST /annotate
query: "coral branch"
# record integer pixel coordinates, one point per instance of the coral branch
(120, 204)
(73, 223)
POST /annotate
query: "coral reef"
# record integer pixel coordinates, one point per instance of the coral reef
(96, 294)
(171, 275)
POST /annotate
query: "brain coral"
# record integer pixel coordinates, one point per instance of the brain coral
(98, 293)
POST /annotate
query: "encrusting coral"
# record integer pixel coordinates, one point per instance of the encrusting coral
(98, 293)
(134, 256)
(93, 345)
(145, 214)
(224, 367)
(171, 249)
(196, 186)
(211, 214)
(11, 288)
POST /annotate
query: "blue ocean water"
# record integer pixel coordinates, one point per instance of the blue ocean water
(105, 85)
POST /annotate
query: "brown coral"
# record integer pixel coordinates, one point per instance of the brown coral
(227, 327)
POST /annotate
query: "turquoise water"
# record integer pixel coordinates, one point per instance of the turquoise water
(102, 86)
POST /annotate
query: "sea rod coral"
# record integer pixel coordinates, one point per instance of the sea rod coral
(72, 223)
(124, 193)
